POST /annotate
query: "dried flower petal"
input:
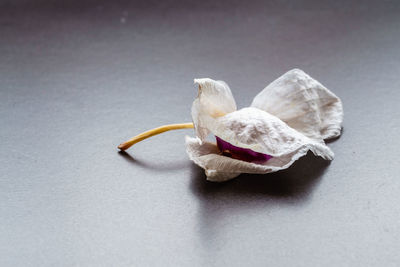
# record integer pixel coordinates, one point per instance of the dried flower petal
(219, 168)
(304, 104)
(214, 100)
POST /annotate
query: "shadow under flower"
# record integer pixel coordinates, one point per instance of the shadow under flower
(221, 204)
(296, 181)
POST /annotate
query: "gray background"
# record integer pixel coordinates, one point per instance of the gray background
(79, 77)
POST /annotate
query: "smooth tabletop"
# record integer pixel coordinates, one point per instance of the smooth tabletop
(79, 77)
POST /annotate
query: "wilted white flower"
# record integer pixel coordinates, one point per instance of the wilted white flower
(292, 115)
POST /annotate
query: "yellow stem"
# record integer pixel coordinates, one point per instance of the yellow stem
(155, 131)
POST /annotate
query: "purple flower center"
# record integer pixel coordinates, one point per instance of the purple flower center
(245, 154)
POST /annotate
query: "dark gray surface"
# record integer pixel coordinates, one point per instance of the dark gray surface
(78, 78)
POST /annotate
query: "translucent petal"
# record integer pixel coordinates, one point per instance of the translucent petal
(214, 100)
(304, 104)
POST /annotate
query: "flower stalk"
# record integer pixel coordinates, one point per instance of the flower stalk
(155, 131)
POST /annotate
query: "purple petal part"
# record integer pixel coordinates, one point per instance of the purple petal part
(244, 154)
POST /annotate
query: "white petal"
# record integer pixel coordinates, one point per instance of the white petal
(304, 104)
(262, 132)
(214, 100)
(219, 168)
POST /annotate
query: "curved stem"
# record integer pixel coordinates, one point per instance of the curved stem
(155, 131)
